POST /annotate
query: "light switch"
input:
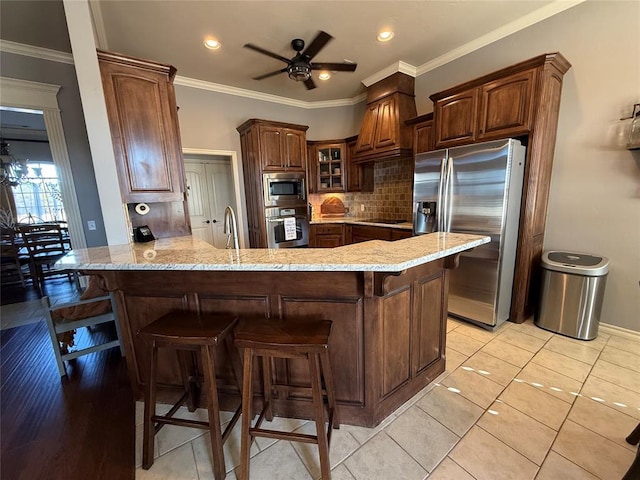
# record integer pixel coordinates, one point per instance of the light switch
(91, 224)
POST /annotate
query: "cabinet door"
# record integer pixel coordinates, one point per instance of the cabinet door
(423, 137)
(363, 233)
(359, 175)
(312, 169)
(330, 167)
(505, 106)
(400, 233)
(386, 133)
(366, 138)
(295, 150)
(144, 129)
(455, 118)
(271, 149)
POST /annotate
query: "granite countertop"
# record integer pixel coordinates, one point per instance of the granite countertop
(190, 253)
(359, 221)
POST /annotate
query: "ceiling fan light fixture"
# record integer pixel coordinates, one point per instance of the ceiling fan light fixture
(385, 35)
(324, 76)
(299, 72)
(212, 44)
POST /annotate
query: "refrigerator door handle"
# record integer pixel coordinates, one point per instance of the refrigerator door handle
(441, 183)
(448, 197)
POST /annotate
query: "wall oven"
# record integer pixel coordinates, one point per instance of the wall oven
(287, 227)
(284, 189)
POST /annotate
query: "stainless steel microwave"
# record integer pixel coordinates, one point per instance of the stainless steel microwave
(284, 189)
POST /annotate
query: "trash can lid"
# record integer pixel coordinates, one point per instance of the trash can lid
(577, 263)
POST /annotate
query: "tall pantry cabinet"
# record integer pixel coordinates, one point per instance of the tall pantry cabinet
(521, 101)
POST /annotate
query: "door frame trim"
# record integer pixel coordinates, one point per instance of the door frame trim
(238, 184)
(17, 93)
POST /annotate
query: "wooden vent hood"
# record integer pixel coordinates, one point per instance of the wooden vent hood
(384, 134)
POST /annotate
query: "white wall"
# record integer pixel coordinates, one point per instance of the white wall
(594, 200)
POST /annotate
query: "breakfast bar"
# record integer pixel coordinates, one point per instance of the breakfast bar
(387, 301)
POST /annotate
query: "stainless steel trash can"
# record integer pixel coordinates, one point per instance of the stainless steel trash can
(572, 292)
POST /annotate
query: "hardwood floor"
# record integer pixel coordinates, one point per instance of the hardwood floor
(79, 427)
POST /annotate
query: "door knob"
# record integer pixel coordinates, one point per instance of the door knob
(215, 221)
(207, 221)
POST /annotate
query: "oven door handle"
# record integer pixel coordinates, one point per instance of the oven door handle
(275, 220)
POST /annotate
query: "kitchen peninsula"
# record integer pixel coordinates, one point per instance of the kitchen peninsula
(388, 302)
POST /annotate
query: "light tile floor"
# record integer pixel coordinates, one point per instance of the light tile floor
(517, 403)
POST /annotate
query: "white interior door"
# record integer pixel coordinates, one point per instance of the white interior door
(210, 189)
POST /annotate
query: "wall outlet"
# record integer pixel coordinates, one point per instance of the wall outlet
(91, 224)
(362, 207)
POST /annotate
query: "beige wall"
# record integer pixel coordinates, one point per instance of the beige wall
(595, 185)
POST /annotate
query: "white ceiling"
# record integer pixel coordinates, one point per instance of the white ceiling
(427, 33)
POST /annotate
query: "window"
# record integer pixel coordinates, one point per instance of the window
(38, 199)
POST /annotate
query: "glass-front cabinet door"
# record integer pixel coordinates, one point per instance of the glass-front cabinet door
(331, 167)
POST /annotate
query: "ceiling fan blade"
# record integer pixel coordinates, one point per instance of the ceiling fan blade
(270, 74)
(335, 67)
(317, 44)
(267, 52)
(309, 84)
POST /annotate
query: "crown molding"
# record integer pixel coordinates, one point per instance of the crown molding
(36, 52)
(399, 66)
(265, 97)
(549, 10)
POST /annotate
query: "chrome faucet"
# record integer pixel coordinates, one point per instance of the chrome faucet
(231, 227)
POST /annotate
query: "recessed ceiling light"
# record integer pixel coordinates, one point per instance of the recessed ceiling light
(324, 76)
(212, 44)
(385, 36)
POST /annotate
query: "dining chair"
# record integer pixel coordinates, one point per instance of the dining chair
(64, 319)
(11, 261)
(45, 244)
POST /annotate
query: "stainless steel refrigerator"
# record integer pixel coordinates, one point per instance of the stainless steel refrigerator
(474, 189)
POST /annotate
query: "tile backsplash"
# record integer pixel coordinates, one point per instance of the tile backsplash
(391, 197)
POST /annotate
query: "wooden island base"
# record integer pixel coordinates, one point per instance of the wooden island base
(387, 343)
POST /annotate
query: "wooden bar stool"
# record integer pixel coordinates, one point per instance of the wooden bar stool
(186, 333)
(307, 339)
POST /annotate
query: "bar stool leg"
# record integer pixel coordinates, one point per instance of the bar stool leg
(185, 361)
(267, 373)
(209, 367)
(149, 411)
(318, 408)
(247, 415)
(329, 386)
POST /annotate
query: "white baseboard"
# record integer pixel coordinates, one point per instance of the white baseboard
(621, 332)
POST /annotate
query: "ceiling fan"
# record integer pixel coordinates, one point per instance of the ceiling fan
(300, 66)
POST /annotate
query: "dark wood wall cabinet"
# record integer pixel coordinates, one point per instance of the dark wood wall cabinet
(143, 119)
(267, 146)
(384, 134)
(331, 167)
(521, 101)
(423, 138)
(327, 166)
